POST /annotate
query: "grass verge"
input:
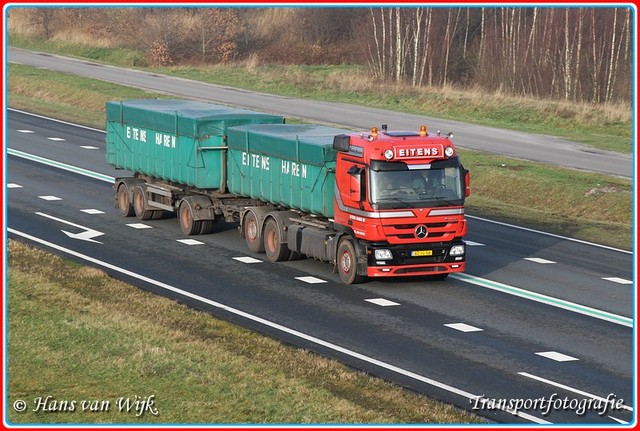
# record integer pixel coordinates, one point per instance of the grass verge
(591, 207)
(77, 335)
(607, 127)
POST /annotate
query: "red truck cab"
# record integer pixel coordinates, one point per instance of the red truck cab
(400, 195)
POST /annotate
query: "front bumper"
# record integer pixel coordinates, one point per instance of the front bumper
(414, 270)
(420, 259)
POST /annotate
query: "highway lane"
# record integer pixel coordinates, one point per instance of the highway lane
(495, 250)
(411, 335)
(526, 146)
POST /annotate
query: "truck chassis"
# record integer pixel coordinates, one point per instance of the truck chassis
(281, 233)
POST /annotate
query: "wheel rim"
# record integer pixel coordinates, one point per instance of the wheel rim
(139, 203)
(252, 230)
(123, 202)
(184, 217)
(272, 240)
(345, 262)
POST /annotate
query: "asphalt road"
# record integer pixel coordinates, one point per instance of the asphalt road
(540, 148)
(535, 317)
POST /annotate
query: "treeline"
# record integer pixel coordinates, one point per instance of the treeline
(581, 54)
(576, 53)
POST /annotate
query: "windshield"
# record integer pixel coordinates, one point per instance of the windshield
(417, 188)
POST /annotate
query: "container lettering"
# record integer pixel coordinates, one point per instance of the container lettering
(255, 161)
(168, 141)
(294, 169)
(136, 134)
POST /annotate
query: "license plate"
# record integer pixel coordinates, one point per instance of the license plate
(422, 253)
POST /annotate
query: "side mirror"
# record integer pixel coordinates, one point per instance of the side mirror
(341, 143)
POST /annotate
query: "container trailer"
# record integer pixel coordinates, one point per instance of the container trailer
(375, 204)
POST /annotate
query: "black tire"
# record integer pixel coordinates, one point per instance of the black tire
(275, 249)
(251, 232)
(297, 256)
(188, 225)
(206, 227)
(157, 215)
(347, 262)
(124, 204)
(139, 199)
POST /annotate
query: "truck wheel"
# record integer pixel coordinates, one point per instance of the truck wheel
(157, 215)
(139, 198)
(124, 206)
(348, 262)
(251, 231)
(188, 225)
(274, 247)
(206, 227)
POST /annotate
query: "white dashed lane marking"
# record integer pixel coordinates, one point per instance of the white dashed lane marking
(92, 211)
(311, 280)
(26, 131)
(382, 302)
(473, 243)
(139, 226)
(50, 198)
(14, 186)
(56, 139)
(463, 327)
(89, 147)
(557, 356)
(247, 259)
(617, 280)
(539, 260)
(190, 242)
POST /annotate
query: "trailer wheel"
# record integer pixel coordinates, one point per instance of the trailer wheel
(251, 231)
(157, 215)
(139, 198)
(188, 225)
(348, 262)
(274, 247)
(206, 227)
(124, 205)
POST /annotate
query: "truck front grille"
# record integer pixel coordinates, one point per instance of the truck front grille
(442, 231)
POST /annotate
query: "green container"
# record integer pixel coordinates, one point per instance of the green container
(175, 140)
(287, 165)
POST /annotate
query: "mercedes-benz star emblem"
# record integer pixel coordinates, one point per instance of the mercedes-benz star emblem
(421, 231)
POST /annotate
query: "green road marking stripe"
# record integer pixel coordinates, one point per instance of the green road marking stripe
(60, 165)
(538, 297)
(511, 290)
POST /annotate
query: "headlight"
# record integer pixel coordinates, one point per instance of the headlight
(383, 254)
(456, 250)
(448, 151)
(388, 154)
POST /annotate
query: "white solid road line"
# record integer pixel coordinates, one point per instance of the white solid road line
(61, 165)
(570, 389)
(566, 238)
(52, 119)
(466, 215)
(451, 389)
(544, 299)
(459, 276)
